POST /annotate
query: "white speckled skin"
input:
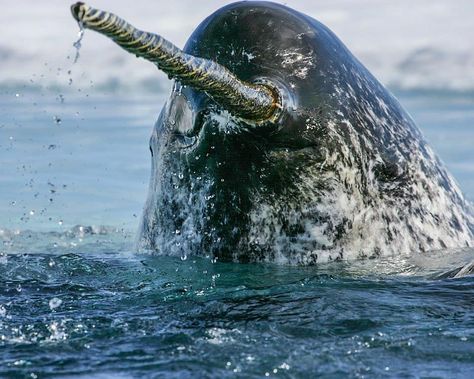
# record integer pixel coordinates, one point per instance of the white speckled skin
(344, 174)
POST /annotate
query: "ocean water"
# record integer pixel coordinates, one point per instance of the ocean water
(77, 301)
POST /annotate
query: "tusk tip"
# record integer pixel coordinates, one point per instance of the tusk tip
(78, 10)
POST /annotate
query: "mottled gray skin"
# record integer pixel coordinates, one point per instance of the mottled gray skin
(343, 173)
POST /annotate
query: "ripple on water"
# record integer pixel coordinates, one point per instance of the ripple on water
(94, 308)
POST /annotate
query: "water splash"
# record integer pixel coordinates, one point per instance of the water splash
(77, 45)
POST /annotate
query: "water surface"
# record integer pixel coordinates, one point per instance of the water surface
(77, 301)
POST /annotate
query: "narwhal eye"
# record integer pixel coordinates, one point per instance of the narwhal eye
(200, 119)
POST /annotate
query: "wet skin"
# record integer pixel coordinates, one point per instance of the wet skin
(211, 169)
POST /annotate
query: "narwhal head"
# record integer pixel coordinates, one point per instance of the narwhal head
(277, 144)
(244, 150)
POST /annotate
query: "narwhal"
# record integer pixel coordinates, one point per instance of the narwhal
(277, 144)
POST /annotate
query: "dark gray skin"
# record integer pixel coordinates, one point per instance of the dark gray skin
(342, 173)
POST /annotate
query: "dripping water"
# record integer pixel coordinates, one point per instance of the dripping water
(77, 45)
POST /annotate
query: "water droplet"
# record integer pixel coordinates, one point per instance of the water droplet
(60, 222)
(32, 213)
(284, 366)
(57, 120)
(184, 257)
(17, 95)
(55, 303)
(177, 231)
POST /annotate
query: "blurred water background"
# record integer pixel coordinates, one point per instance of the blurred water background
(75, 301)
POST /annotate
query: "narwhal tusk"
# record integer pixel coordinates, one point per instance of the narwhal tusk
(250, 101)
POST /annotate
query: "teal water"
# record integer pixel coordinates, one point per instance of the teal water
(77, 301)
